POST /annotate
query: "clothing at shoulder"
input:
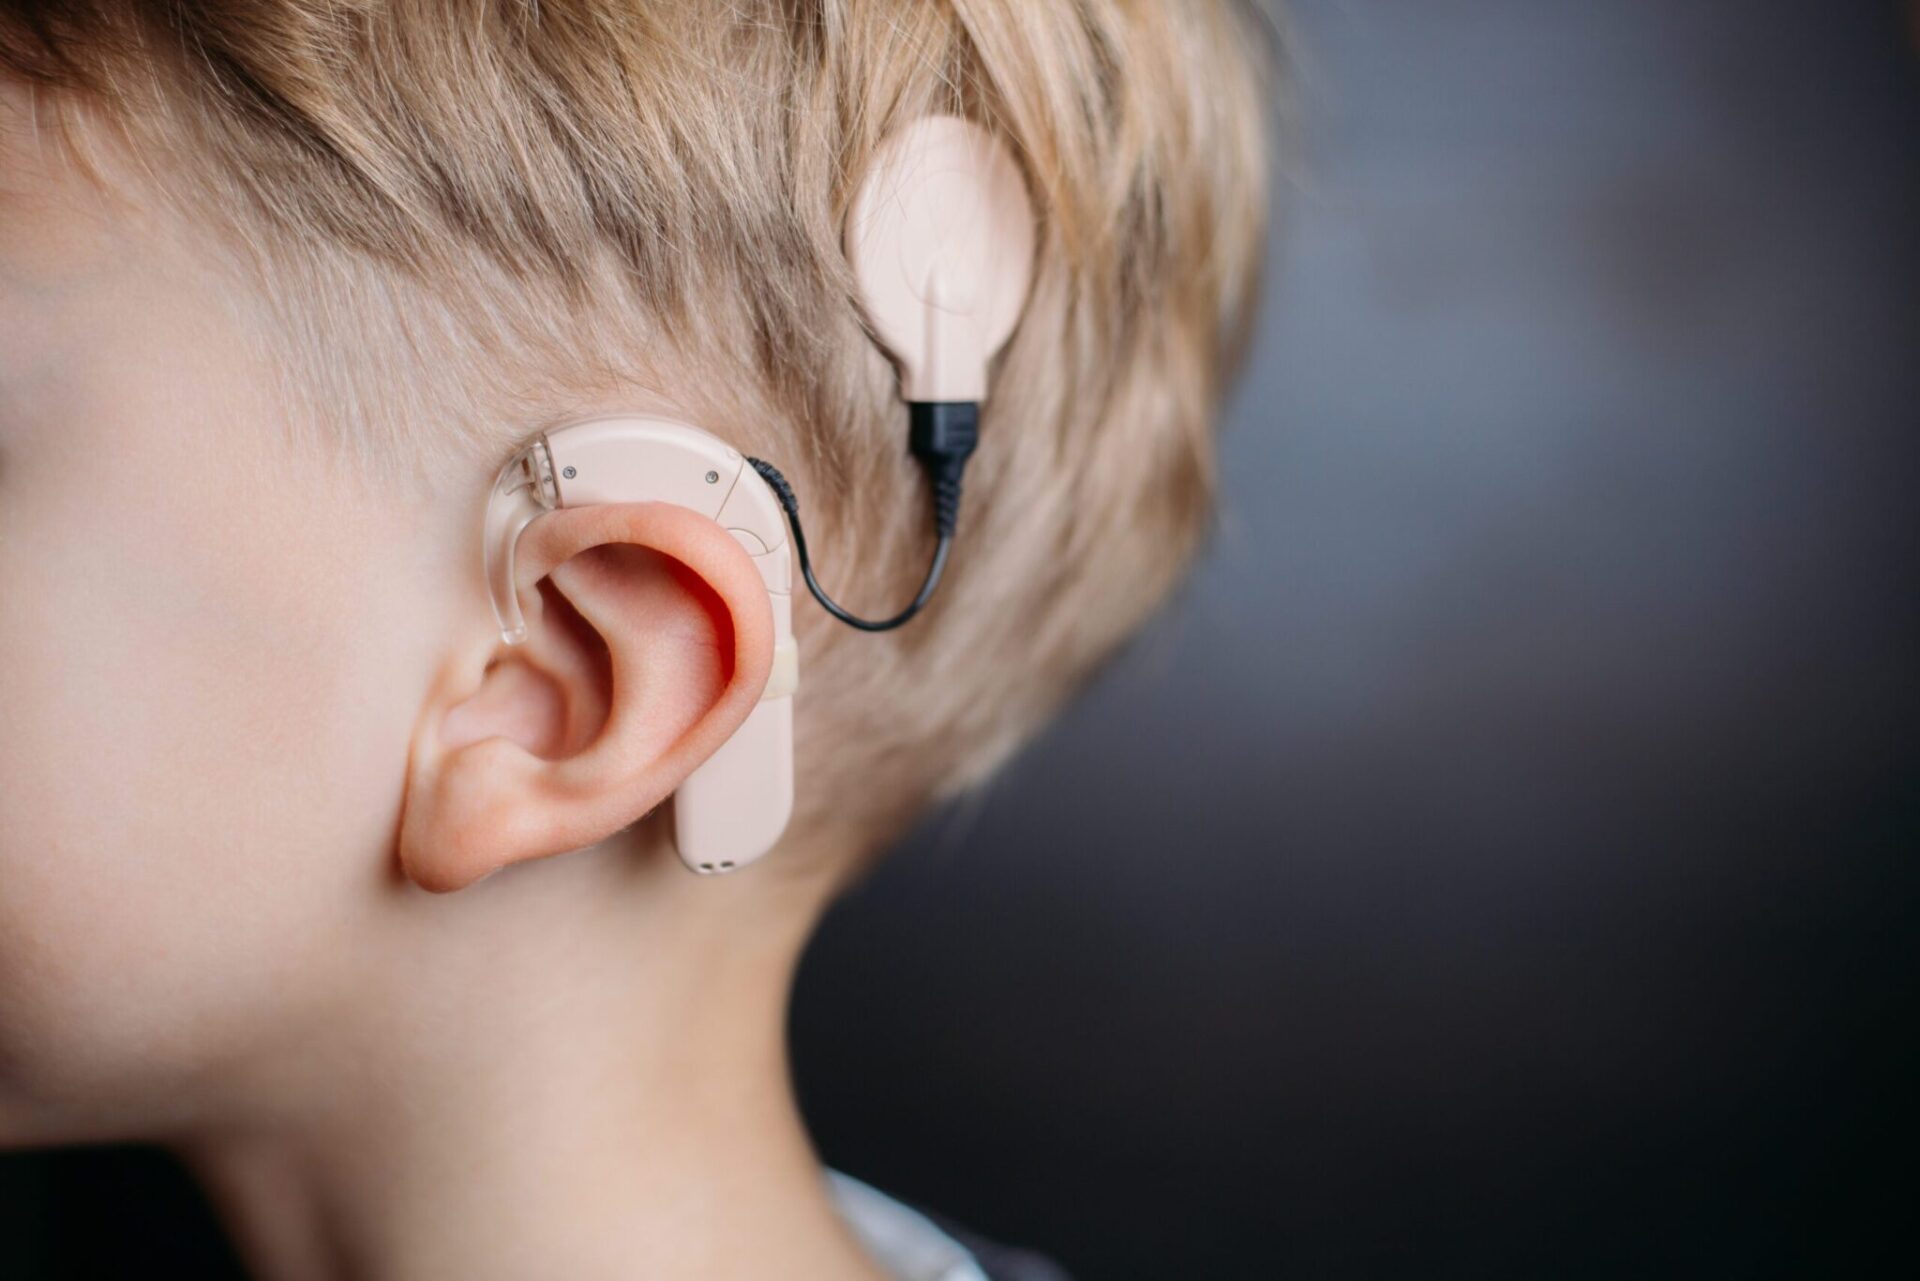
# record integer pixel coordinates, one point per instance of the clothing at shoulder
(911, 1246)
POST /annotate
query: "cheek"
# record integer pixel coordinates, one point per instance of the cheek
(203, 733)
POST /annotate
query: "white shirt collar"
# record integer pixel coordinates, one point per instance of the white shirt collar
(902, 1240)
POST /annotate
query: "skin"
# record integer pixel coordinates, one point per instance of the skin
(305, 876)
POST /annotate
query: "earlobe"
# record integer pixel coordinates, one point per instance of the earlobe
(650, 639)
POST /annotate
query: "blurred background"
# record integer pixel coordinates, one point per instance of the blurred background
(1501, 862)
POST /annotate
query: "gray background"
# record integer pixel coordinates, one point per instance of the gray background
(1500, 863)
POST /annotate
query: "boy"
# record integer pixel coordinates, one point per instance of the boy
(282, 285)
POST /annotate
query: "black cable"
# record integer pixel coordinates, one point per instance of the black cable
(943, 437)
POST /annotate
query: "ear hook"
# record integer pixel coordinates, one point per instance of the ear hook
(941, 241)
(523, 490)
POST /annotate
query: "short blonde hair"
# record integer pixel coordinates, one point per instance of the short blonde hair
(490, 212)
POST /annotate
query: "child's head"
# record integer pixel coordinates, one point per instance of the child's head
(283, 283)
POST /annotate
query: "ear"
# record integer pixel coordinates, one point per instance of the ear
(650, 638)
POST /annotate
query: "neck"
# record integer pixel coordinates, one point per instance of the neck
(549, 1125)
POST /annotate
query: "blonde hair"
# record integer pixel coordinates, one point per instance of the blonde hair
(484, 213)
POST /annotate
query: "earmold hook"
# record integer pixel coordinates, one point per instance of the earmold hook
(524, 490)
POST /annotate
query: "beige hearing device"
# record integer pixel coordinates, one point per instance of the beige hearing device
(941, 239)
(733, 808)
